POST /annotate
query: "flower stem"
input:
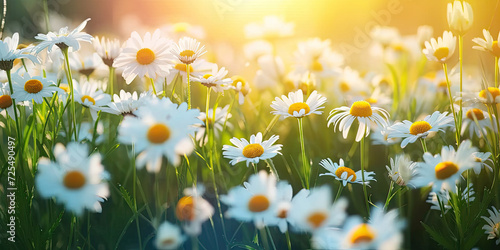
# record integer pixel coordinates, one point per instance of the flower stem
(134, 193)
(339, 191)
(16, 116)
(207, 120)
(461, 59)
(362, 158)
(457, 130)
(153, 85)
(305, 166)
(387, 200)
(111, 81)
(496, 71)
(188, 86)
(70, 82)
(424, 145)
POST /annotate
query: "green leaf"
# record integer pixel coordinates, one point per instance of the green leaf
(127, 198)
(444, 240)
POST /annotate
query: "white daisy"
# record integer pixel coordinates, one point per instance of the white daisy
(284, 194)
(361, 111)
(402, 170)
(349, 84)
(253, 151)
(241, 87)
(75, 179)
(86, 132)
(470, 116)
(420, 129)
(126, 103)
(107, 49)
(193, 210)
(442, 49)
(380, 136)
(253, 202)
(215, 80)
(169, 236)
(9, 52)
(198, 67)
(444, 198)
(488, 43)
(217, 123)
(188, 50)
(460, 16)
(160, 128)
(489, 96)
(443, 171)
(27, 88)
(345, 174)
(272, 27)
(88, 95)
(84, 64)
(6, 101)
(492, 229)
(294, 105)
(482, 160)
(313, 210)
(64, 38)
(145, 57)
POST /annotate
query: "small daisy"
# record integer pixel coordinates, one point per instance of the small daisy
(349, 84)
(75, 179)
(6, 101)
(313, 210)
(179, 71)
(345, 174)
(253, 151)
(460, 16)
(215, 80)
(193, 210)
(489, 96)
(482, 160)
(444, 198)
(424, 33)
(402, 170)
(420, 129)
(160, 128)
(221, 116)
(188, 50)
(492, 229)
(27, 88)
(254, 201)
(380, 136)
(169, 236)
(294, 105)
(470, 116)
(488, 43)
(64, 38)
(443, 171)
(85, 65)
(88, 95)
(284, 194)
(241, 87)
(126, 103)
(442, 49)
(9, 52)
(361, 111)
(107, 49)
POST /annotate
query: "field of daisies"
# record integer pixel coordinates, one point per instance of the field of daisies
(147, 143)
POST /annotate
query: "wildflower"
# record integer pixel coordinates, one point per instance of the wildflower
(169, 236)
(221, 116)
(126, 103)
(85, 65)
(470, 116)
(492, 229)
(241, 87)
(27, 88)
(488, 43)
(88, 95)
(188, 50)
(253, 151)
(442, 49)
(345, 174)
(402, 170)
(9, 52)
(481, 161)
(215, 80)
(107, 49)
(64, 38)
(444, 198)
(294, 105)
(460, 17)
(6, 101)
(193, 210)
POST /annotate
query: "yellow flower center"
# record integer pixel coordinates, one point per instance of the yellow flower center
(187, 53)
(89, 98)
(33, 86)
(253, 150)
(298, 106)
(5, 101)
(206, 76)
(362, 234)
(442, 84)
(181, 27)
(258, 203)
(361, 109)
(445, 169)
(74, 180)
(316, 66)
(347, 170)
(185, 208)
(158, 133)
(282, 214)
(316, 219)
(419, 127)
(477, 113)
(490, 93)
(495, 50)
(398, 47)
(441, 53)
(182, 67)
(477, 159)
(167, 242)
(64, 87)
(344, 87)
(238, 79)
(145, 56)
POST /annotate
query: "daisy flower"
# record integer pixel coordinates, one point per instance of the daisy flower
(361, 111)
(284, 194)
(169, 236)
(313, 210)
(9, 52)
(253, 151)
(420, 129)
(221, 116)
(492, 229)
(489, 95)
(380, 136)
(254, 201)
(64, 38)
(349, 84)
(345, 174)
(198, 67)
(144, 57)
(126, 103)
(107, 49)
(444, 198)
(188, 50)
(271, 27)
(443, 171)
(215, 80)
(6, 101)
(86, 132)
(470, 116)
(27, 88)
(482, 160)
(241, 87)
(75, 179)
(85, 64)
(89, 96)
(402, 170)
(442, 49)
(294, 105)
(488, 43)
(193, 210)
(460, 16)
(160, 128)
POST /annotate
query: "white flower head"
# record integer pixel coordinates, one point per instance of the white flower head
(251, 151)
(169, 236)
(27, 88)
(492, 228)
(188, 50)
(488, 43)
(345, 174)
(402, 170)
(107, 49)
(442, 49)
(294, 105)
(64, 38)
(193, 210)
(460, 17)
(9, 52)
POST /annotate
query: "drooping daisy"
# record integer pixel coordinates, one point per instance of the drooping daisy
(345, 174)
(64, 38)
(460, 16)
(492, 229)
(126, 103)
(442, 49)
(217, 123)
(444, 198)
(489, 95)
(420, 129)
(88, 95)
(193, 210)
(443, 171)
(27, 88)
(254, 201)
(253, 151)
(6, 101)
(107, 49)
(361, 111)
(284, 194)
(470, 116)
(188, 50)
(241, 87)
(215, 80)
(482, 160)
(145, 57)
(402, 170)
(160, 128)
(488, 43)
(313, 210)
(74, 179)
(294, 105)
(9, 52)
(272, 27)
(169, 236)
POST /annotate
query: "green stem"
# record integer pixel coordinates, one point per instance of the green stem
(457, 131)
(288, 242)
(305, 167)
(16, 116)
(134, 193)
(387, 200)
(207, 120)
(339, 191)
(188, 86)
(424, 145)
(71, 231)
(111, 81)
(46, 12)
(461, 59)
(153, 85)
(362, 158)
(70, 82)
